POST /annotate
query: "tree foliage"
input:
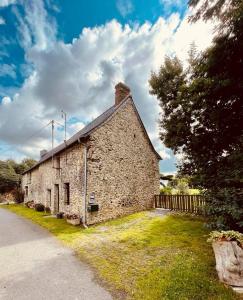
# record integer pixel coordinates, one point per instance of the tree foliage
(203, 112)
(11, 171)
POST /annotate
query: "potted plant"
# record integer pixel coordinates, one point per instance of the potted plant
(39, 207)
(73, 219)
(59, 215)
(30, 204)
(228, 251)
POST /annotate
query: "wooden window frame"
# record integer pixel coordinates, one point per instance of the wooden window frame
(67, 193)
(26, 189)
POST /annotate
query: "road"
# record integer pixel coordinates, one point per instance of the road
(34, 265)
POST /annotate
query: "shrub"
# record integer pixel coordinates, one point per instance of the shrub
(229, 236)
(72, 216)
(225, 208)
(30, 204)
(166, 190)
(47, 210)
(18, 196)
(59, 215)
(39, 207)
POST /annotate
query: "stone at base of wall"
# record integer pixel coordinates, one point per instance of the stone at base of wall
(237, 289)
(74, 222)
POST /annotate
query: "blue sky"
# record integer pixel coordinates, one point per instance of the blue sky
(68, 55)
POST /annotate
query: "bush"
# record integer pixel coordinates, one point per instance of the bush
(47, 210)
(30, 204)
(18, 196)
(225, 208)
(39, 207)
(59, 215)
(166, 190)
(229, 236)
(72, 216)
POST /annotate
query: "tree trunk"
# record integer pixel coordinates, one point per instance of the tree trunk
(229, 262)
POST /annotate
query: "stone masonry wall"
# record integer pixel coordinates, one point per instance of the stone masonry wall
(42, 187)
(123, 170)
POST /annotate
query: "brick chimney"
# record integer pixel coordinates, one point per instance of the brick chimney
(122, 91)
(43, 152)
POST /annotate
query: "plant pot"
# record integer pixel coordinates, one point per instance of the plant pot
(229, 262)
(59, 215)
(74, 222)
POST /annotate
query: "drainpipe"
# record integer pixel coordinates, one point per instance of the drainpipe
(85, 183)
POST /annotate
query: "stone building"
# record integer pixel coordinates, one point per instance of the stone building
(108, 169)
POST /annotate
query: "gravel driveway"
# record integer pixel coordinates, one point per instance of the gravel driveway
(34, 265)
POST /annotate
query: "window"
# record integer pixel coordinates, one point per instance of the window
(29, 177)
(57, 162)
(56, 197)
(58, 166)
(67, 193)
(26, 191)
(49, 197)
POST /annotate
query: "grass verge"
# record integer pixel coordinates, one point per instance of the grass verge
(143, 256)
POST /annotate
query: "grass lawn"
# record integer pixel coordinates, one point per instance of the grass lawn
(143, 256)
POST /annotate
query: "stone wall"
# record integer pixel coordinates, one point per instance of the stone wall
(123, 170)
(44, 180)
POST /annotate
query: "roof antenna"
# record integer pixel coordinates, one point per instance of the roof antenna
(64, 116)
(52, 139)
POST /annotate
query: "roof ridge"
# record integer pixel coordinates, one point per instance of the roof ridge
(84, 132)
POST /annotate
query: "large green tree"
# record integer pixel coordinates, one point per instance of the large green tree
(203, 112)
(11, 171)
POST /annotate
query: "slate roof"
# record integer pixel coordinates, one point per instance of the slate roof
(85, 132)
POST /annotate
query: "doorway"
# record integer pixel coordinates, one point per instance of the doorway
(49, 198)
(57, 208)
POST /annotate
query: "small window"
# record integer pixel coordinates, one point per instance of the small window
(49, 197)
(26, 191)
(58, 162)
(29, 177)
(67, 193)
(58, 166)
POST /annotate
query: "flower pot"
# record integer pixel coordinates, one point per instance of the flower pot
(59, 215)
(74, 222)
(229, 262)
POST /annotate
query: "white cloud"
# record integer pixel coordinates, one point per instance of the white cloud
(7, 70)
(125, 7)
(169, 5)
(164, 154)
(79, 77)
(36, 29)
(6, 100)
(75, 127)
(2, 21)
(4, 3)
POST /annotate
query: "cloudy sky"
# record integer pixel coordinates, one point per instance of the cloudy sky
(68, 55)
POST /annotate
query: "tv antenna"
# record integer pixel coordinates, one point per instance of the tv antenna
(64, 116)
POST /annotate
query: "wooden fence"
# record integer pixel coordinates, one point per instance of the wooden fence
(186, 203)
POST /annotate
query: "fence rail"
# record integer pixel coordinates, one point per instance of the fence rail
(184, 203)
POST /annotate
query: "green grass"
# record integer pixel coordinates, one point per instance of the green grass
(142, 256)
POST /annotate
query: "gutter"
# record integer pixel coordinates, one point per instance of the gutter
(85, 183)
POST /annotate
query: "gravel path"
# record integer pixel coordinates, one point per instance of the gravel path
(34, 265)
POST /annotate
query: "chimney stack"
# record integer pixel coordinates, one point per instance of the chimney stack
(122, 91)
(42, 153)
